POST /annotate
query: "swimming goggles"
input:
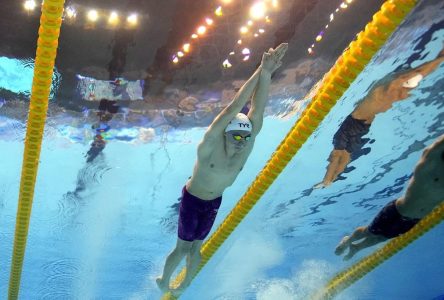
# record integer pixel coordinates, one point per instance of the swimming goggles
(238, 137)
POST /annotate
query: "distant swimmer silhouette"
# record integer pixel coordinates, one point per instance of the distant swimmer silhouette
(106, 111)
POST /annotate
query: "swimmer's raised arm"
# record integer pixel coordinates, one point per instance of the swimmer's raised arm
(271, 60)
(411, 78)
(428, 67)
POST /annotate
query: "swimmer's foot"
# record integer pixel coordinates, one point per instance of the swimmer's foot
(177, 291)
(351, 252)
(319, 185)
(180, 289)
(342, 245)
(162, 284)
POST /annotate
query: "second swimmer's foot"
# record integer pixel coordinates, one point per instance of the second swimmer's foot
(342, 245)
(322, 185)
(319, 185)
(163, 286)
(350, 254)
(177, 291)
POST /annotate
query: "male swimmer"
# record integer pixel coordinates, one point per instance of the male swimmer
(221, 155)
(348, 140)
(424, 192)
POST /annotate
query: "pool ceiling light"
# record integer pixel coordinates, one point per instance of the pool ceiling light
(29, 5)
(92, 15)
(258, 10)
(113, 18)
(132, 19)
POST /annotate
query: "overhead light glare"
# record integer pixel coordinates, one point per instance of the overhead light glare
(113, 18)
(226, 64)
(201, 30)
(186, 47)
(132, 19)
(257, 11)
(93, 15)
(29, 5)
(218, 11)
(71, 12)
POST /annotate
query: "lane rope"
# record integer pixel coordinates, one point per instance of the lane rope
(47, 43)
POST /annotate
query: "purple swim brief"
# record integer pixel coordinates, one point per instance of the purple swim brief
(196, 216)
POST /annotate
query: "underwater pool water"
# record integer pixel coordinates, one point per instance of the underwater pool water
(102, 230)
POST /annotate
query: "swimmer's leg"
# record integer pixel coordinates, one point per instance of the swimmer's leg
(338, 161)
(369, 241)
(344, 160)
(193, 261)
(182, 249)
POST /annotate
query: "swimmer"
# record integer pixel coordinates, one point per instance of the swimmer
(97, 147)
(424, 192)
(348, 140)
(221, 155)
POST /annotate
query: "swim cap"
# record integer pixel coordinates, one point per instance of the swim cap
(413, 82)
(240, 122)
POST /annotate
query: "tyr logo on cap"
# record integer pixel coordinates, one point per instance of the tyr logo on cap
(240, 122)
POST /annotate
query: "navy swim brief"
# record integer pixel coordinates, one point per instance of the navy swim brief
(349, 135)
(196, 216)
(390, 223)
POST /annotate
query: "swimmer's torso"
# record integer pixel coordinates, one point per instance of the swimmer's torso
(212, 175)
(426, 189)
(379, 100)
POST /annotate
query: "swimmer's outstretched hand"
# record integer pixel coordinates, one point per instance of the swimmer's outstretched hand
(271, 60)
